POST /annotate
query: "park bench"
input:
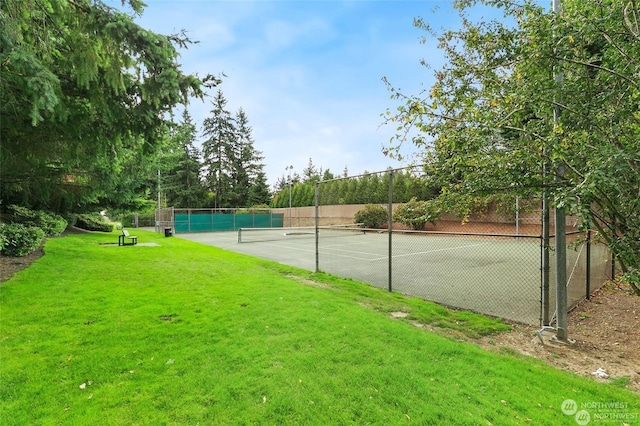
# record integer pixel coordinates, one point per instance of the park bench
(122, 239)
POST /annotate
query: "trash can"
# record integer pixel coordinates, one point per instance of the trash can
(168, 232)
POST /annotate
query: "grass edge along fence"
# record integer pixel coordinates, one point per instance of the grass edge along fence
(499, 274)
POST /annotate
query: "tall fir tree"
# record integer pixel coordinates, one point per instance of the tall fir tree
(259, 193)
(247, 165)
(182, 183)
(310, 173)
(85, 93)
(233, 167)
(217, 149)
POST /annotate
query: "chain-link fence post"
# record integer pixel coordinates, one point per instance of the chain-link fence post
(588, 267)
(317, 223)
(546, 266)
(390, 230)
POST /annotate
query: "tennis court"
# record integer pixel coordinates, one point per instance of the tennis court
(491, 275)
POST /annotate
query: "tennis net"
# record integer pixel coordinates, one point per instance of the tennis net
(254, 235)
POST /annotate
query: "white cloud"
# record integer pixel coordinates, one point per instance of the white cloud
(283, 34)
(308, 74)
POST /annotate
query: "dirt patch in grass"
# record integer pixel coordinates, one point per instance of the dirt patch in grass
(10, 265)
(311, 283)
(606, 330)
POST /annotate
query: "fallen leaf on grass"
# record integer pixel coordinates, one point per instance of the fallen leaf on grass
(83, 386)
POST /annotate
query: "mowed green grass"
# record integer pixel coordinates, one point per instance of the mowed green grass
(188, 334)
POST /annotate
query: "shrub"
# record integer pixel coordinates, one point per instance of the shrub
(144, 219)
(632, 277)
(255, 209)
(372, 216)
(17, 239)
(259, 209)
(71, 219)
(3, 238)
(416, 214)
(51, 223)
(93, 222)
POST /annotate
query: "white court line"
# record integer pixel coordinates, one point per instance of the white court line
(375, 259)
(442, 249)
(368, 256)
(334, 250)
(291, 245)
(286, 245)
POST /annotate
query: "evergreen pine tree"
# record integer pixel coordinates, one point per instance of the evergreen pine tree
(259, 191)
(249, 182)
(182, 185)
(217, 151)
(310, 173)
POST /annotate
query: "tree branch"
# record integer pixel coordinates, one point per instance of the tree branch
(635, 32)
(601, 68)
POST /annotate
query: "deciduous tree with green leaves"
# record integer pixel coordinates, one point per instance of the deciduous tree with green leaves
(487, 125)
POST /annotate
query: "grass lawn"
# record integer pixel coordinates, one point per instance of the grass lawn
(183, 333)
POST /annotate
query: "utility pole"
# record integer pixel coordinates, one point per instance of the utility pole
(159, 214)
(289, 168)
(562, 332)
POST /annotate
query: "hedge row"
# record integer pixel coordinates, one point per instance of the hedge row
(26, 229)
(93, 222)
(17, 239)
(51, 223)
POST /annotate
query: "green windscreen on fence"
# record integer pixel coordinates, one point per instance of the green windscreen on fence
(208, 222)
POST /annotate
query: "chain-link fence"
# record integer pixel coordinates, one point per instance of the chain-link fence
(589, 266)
(492, 263)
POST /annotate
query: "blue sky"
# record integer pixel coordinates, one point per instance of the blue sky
(308, 73)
